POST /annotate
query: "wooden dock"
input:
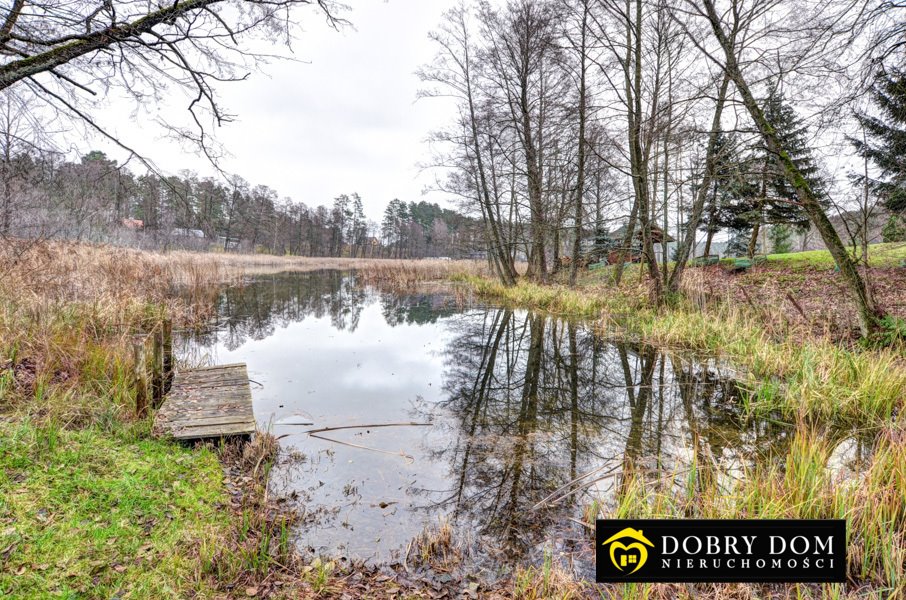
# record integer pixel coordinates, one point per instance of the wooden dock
(212, 402)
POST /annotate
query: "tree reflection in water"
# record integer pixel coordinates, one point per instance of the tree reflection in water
(255, 310)
(526, 404)
(538, 402)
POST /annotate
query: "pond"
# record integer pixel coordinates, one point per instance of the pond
(505, 424)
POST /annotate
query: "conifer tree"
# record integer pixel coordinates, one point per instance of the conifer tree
(886, 143)
(781, 203)
(753, 192)
(731, 198)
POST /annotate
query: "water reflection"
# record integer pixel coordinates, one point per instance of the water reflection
(255, 310)
(539, 403)
(533, 418)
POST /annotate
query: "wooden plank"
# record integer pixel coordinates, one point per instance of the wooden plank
(207, 403)
(214, 375)
(204, 371)
(218, 431)
(208, 421)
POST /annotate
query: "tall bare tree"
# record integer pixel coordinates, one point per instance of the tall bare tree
(867, 310)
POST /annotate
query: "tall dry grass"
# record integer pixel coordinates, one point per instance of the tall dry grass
(68, 313)
(40, 278)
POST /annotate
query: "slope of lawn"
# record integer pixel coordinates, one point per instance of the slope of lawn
(880, 255)
(93, 513)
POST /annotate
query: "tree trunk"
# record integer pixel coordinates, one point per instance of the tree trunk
(867, 311)
(685, 248)
(753, 240)
(580, 175)
(639, 162)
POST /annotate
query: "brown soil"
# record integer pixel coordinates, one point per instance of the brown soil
(813, 298)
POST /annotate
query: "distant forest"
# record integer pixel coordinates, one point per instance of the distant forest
(98, 200)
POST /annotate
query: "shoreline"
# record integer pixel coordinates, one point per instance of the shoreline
(63, 378)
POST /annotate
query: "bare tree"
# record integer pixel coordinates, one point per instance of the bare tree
(823, 27)
(579, 42)
(519, 55)
(453, 69)
(57, 55)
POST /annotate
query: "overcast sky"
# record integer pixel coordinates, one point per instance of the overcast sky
(344, 121)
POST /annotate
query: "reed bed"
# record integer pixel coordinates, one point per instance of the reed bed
(68, 314)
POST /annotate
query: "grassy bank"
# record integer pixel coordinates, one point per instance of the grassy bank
(827, 390)
(810, 378)
(102, 513)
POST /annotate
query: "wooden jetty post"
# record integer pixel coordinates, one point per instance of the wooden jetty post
(152, 382)
(192, 404)
(140, 377)
(167, 351)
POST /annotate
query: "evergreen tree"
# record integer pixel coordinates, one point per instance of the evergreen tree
(749, 189)
(738, 244)
(886, 146)
(894, 230)
(340, 216)
(780, 235)
(358, 227)
(732, 195)
(781, 201)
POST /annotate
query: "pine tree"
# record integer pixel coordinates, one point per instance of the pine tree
(781, 200)
(340, 216)
(751, 191)
(732, 196)
(886, 146)
(390, 225)
(894, 230)
(780, 235)
(357, 225)
(738, 244)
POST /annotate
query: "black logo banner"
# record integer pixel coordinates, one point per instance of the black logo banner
(701, 551)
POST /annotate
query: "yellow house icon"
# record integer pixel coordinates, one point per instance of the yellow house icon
(627, 559)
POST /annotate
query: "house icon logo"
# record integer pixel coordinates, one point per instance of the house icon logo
(632, 555)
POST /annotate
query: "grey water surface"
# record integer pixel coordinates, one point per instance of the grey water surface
(529, 418)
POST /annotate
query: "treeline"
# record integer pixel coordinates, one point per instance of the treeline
(640, 131)
(95, 199)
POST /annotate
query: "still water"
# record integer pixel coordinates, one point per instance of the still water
(521, 420)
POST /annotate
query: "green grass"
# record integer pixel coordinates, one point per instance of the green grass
(805, 378)
(880, 255)
(811, 379)
(556, 299)
(95, 513)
